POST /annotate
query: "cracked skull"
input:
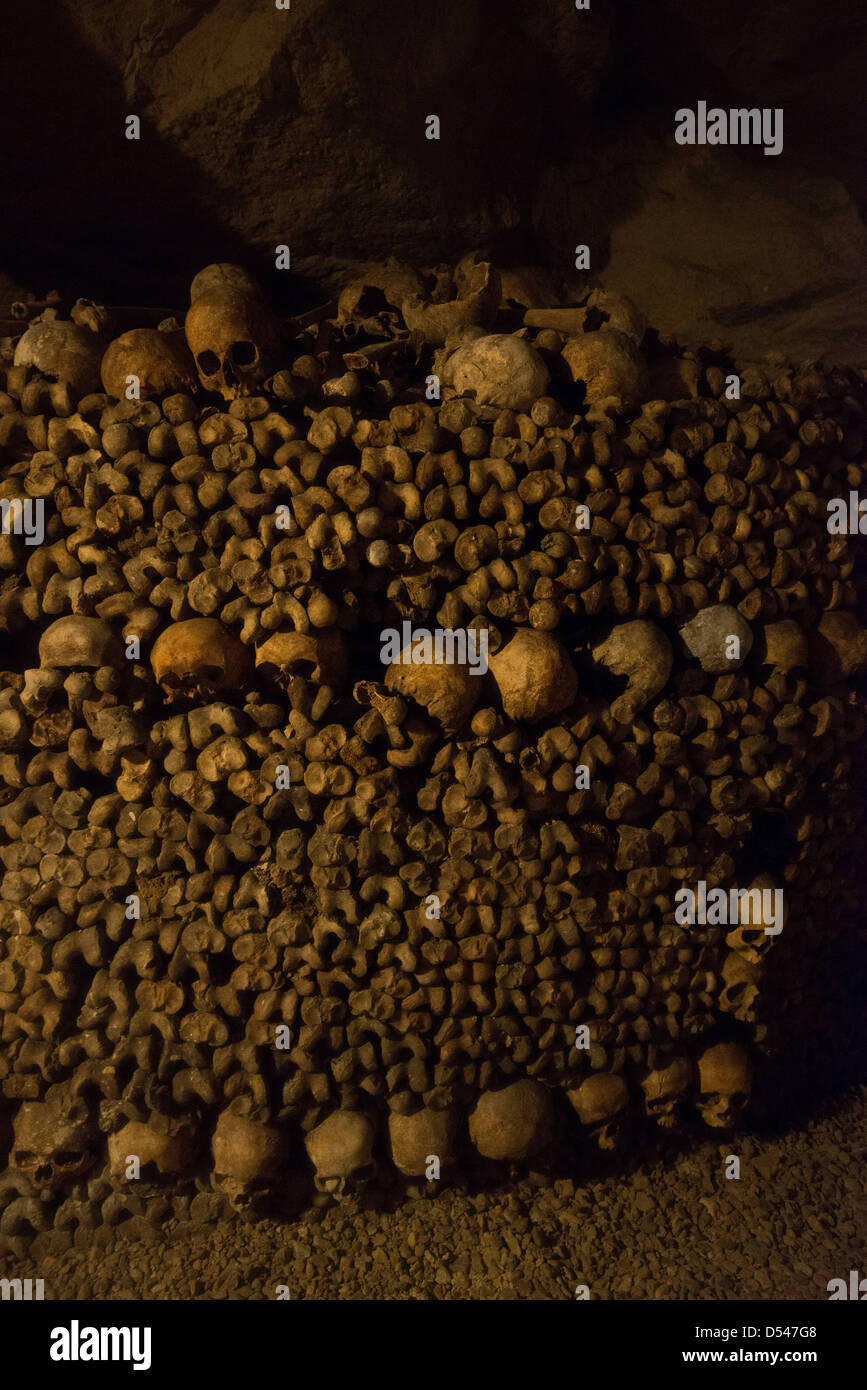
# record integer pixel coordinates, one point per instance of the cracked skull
(341, 1151)
(54, 1140)
(231, 331)
(725, 1082)
(199, 657)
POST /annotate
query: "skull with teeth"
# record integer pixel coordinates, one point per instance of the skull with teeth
(231, 331)
(199, 657)
(341, 1151)
(54, 1140)
(601, 1103)
(667, 1090)
(725, 1083)
(249, 1158)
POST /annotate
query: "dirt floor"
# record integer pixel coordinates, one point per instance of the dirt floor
(671, 1228)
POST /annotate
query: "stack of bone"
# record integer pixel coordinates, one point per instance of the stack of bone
(272, 908)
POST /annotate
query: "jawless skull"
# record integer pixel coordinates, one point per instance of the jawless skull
(55, 1140)
(667, 1091)
(725, 1084)
(249, 1159)
(164, 1157)
(231, 331)
(601, 1103)
(199, 658)
(514, 1125)
(341, 1151)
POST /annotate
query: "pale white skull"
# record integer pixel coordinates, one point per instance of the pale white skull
(515, 1124)
(54, 1140)
(498, 369)
(667, 1090)
(601, 1103)
(341, 1151)
(231, 331)
(249, 1158)
(62, 351)
(725, 1083)
(741, 981)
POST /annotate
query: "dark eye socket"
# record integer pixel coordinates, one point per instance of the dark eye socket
(23, 1156)
(69, 1156)
(208, 363)
(243, 354)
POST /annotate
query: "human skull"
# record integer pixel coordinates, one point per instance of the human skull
(62, 351)
(231, 331)
(601, 1103)
(54, 1140)
(725, 1082)
(249, 1158)
(609, 364)
(199, 657)
(76, 641)
(534, 675)
(474, 309)
(667, 1090)
(382, 288)
(618, 312)
(341, 1151)
(707, 638)
(514, 1124)
(414, 1138)
(741, 981)
(160, 361)
(319, 657)
(750, 938)
(640, 651)
(498, 369)
(168, 1155)
(447, 691)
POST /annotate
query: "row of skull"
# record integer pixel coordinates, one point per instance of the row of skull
(55, 1140)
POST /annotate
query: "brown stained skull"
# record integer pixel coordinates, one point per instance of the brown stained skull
(249, 1159)
(318, 657)
(741, 985)
(642, 653)
(416, 1138)
(601, 1103)
(341, 1151)
(725, 1084)
(667, 1091)
(534, 675)
(55, 1140)
(201, 658)
(160, 362)
(515, 1124)
(231, 331)
(446, 690)
(76, 641)
(167, 1156)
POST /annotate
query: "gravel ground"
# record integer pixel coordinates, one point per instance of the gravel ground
(672, 1228)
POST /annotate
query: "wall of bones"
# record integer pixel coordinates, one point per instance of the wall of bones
(279, 918)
